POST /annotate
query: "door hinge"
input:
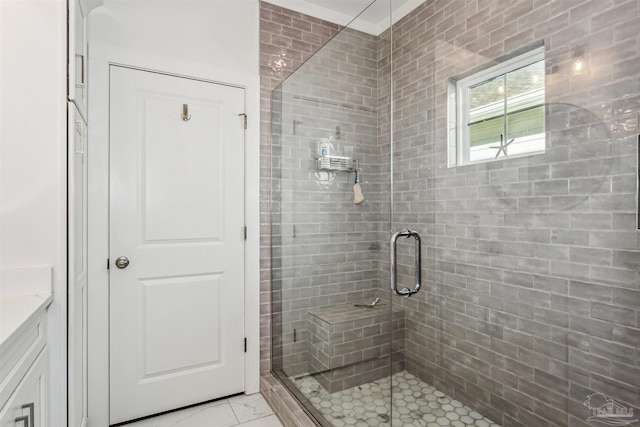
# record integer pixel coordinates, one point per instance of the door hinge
(245, 345)
(107, 263)
(245, 119)
(245, 232)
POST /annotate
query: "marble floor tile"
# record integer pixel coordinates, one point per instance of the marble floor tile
(251, 407)
(240, 411)
(197, 416)
(269, 421)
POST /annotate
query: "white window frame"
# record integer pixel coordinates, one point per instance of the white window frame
(459, 149)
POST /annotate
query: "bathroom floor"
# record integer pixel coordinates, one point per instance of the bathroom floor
(241, 411)
(415, 403)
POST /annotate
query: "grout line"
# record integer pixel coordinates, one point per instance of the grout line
(233, 412)
(259, 418)
(260, 397)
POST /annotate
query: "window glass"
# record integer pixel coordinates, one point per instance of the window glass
(502, 110)
(486, 118)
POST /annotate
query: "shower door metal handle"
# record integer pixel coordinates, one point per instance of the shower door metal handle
(406, 292)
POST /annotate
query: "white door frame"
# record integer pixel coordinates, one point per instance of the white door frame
(101, 58)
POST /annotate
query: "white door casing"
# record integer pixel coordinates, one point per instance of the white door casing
(177, 214)
(77, 268)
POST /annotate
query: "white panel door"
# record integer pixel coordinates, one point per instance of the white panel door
(177, 215)
(77, 267)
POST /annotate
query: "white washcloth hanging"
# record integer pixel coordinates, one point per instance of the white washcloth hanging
(357, 191)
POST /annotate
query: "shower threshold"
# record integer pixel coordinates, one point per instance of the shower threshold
(415, 403)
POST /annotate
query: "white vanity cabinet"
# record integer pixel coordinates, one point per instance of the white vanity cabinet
(77, 55)
(26, 406)
(24, 356)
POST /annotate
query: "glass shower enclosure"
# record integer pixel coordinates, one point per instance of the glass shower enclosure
(454, 217)
(333, 324)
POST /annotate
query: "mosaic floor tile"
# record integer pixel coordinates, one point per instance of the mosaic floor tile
(415, 403)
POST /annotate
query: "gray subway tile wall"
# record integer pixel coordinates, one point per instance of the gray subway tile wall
(525, 255)
(531, 295)
(320, 239)
(287, 40)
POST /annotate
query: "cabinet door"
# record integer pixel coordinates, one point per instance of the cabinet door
(26, 406)
(77, 61)
(77, 274)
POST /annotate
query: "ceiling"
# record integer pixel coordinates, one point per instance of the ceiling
(374, 20)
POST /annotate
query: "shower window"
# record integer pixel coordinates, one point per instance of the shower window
(500, 111)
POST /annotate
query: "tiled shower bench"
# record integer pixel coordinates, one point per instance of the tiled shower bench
(349, 346)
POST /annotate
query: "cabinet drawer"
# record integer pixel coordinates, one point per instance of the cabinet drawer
(26, 406)
(19, 356)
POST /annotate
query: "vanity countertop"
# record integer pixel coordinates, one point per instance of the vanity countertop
(23, 294)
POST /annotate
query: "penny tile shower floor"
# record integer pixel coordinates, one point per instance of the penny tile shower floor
(415, 403)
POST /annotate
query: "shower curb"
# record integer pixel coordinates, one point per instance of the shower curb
(286, 408)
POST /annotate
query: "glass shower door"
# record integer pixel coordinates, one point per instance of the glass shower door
(332, 329)
(515, 156)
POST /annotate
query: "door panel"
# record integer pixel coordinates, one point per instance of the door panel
(177, 214)
(173, 202)
(196, 300)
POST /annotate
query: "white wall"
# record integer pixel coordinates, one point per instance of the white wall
(33, 120)
(214, 34)
(215, 40)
